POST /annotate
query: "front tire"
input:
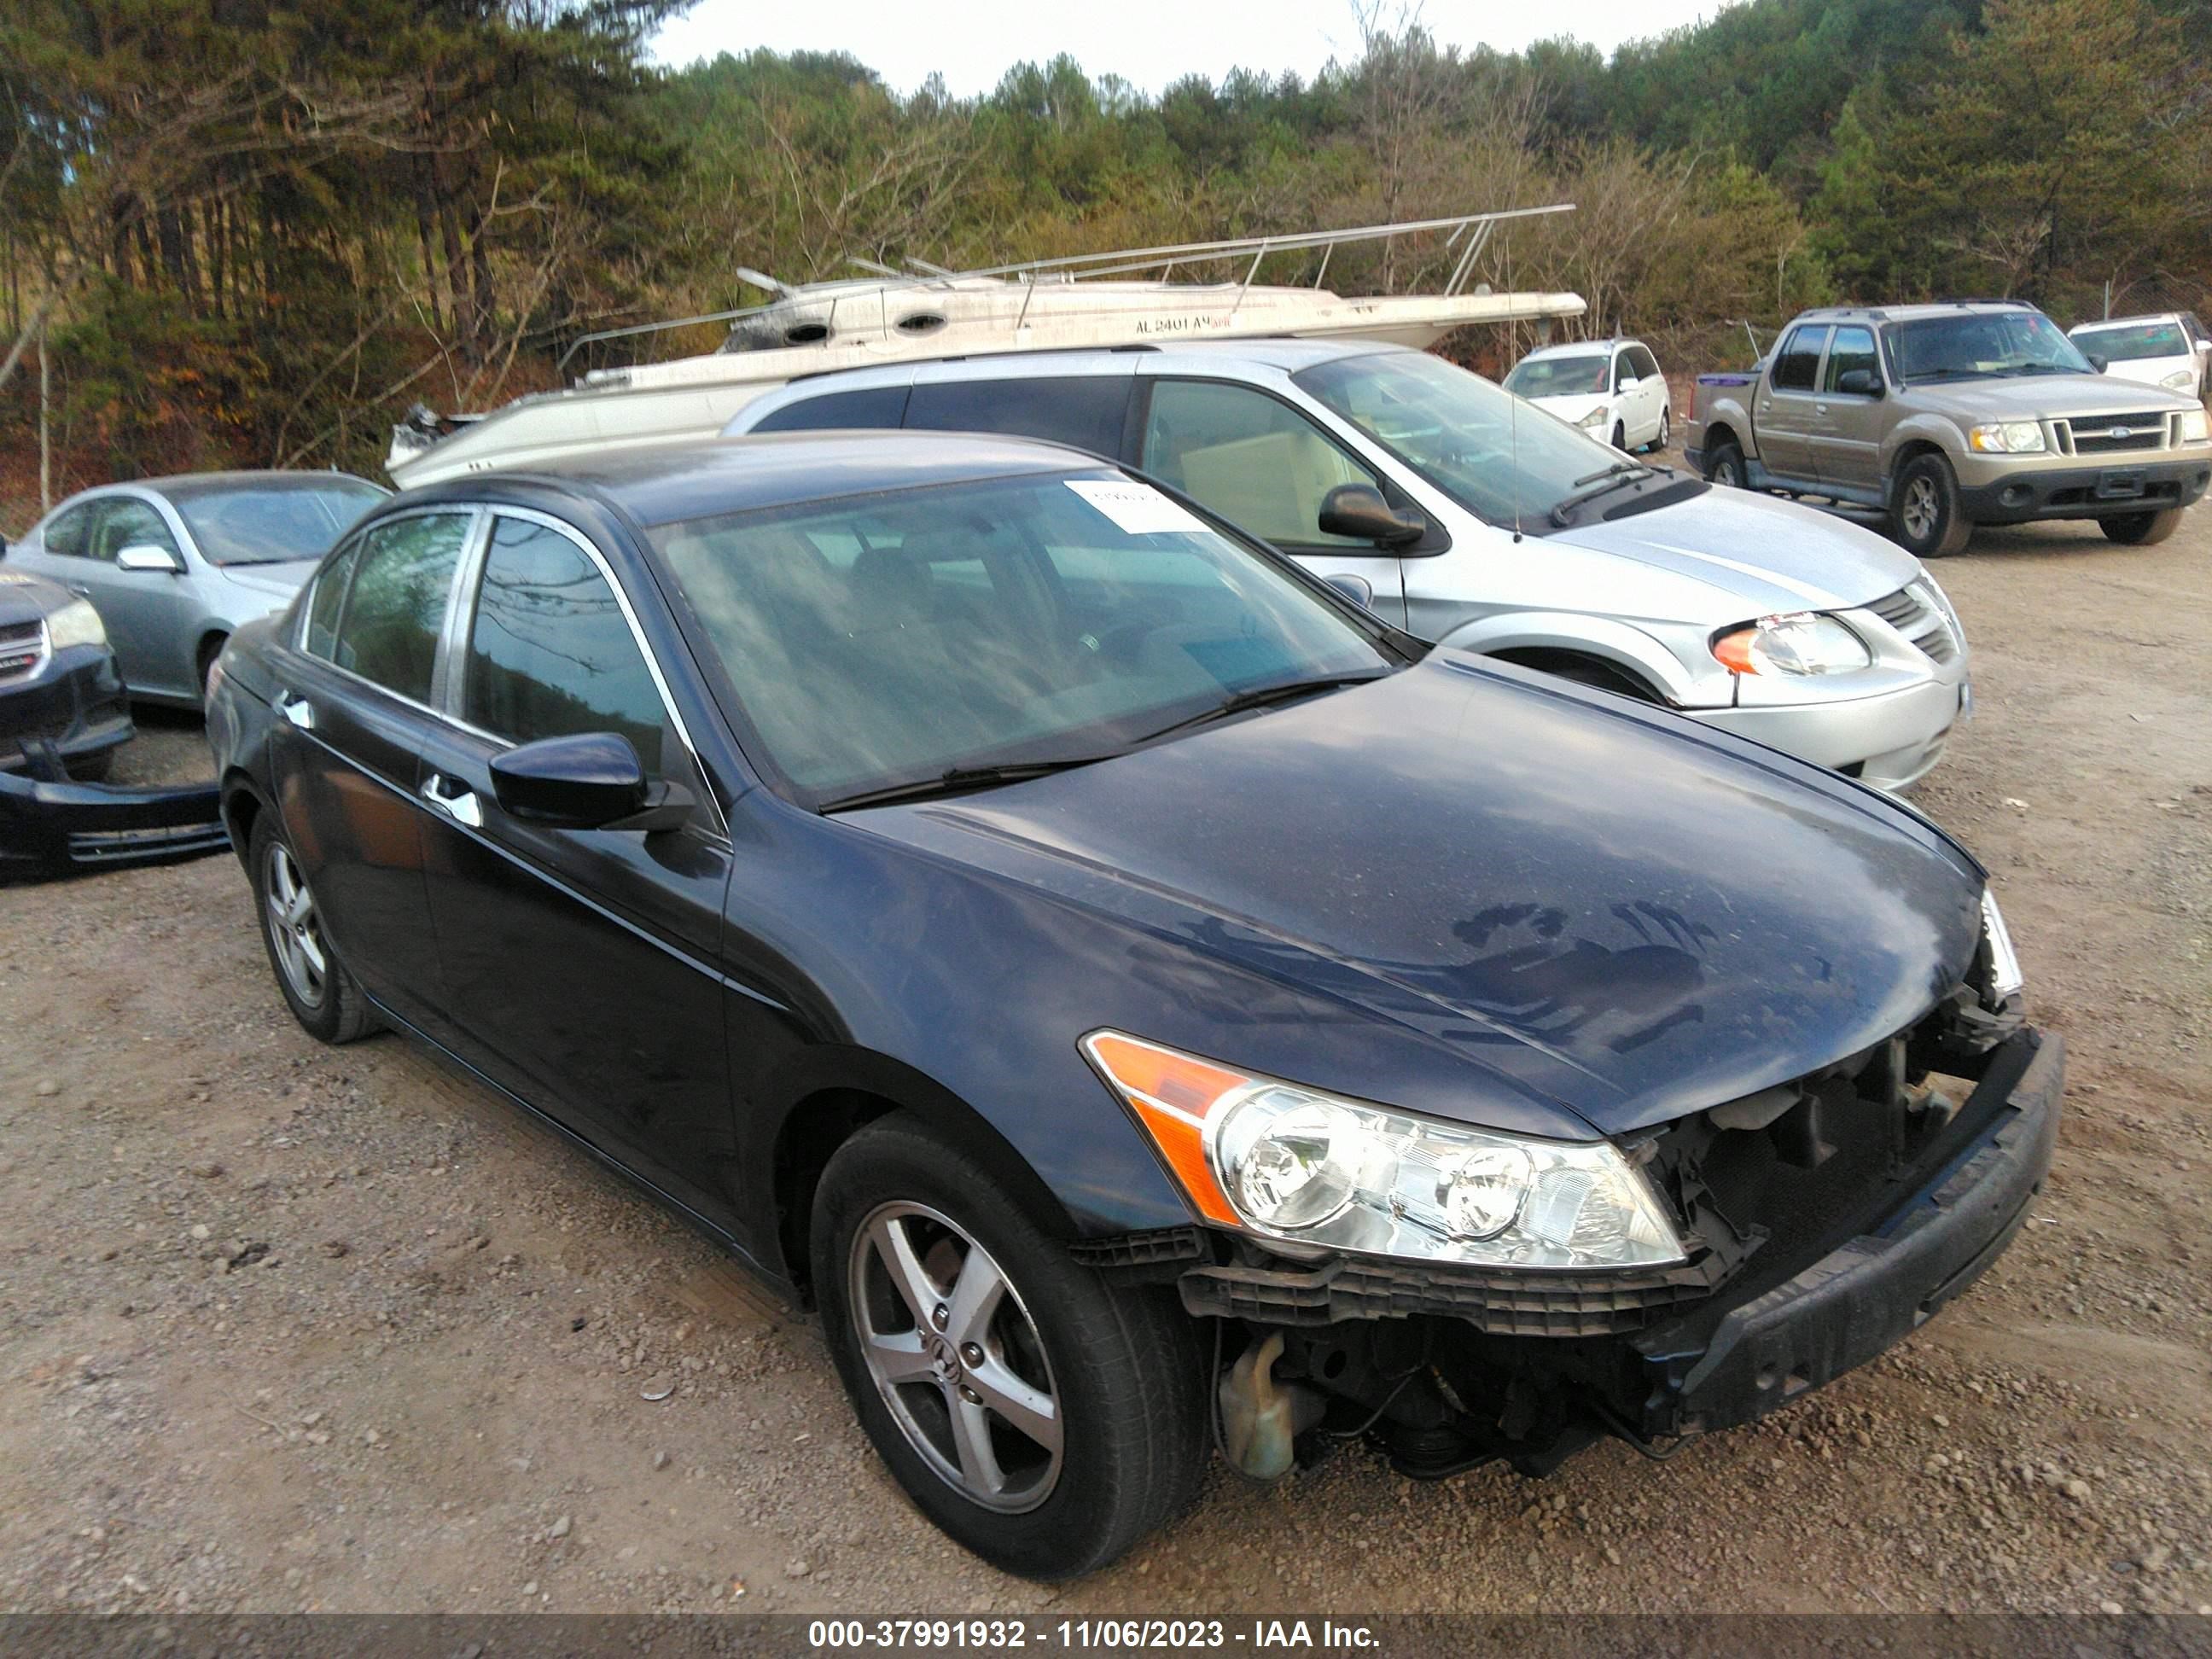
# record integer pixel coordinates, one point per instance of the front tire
(1925, 515)
(1666, 434)
(2141, 529)
(1620, 437)
(208, 653)
(1045, 1419)
(324, 998)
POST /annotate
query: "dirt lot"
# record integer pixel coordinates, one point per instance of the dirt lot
(283, 1326)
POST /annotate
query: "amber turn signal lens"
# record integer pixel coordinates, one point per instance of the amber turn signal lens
(1734, 650)
(1170, 1094)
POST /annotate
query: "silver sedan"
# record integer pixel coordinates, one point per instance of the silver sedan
(175, 566)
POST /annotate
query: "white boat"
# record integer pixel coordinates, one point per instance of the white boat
(1084, 301)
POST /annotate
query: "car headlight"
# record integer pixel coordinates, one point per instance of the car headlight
(1597, 417)
(2192, 427)
(75, 623)
(1802, 642)
(2005, 978)
(1313, 1169)
(2007, 438)
(2182, 379)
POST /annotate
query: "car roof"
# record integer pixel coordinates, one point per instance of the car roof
(183, 486)
(1581, 347)
(703, 478)
(2174, 317)
(1908, 313)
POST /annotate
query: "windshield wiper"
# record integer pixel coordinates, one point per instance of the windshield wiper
(959, 779)
(1620, 475)
(1263, 697)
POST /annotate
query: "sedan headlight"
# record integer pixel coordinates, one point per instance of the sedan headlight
(2005, 978)
(2007, 438)
(75, 623)
(2182, 379)
(1596, 418)
(1802, 642)
(1312, 1169)
(2191, 428)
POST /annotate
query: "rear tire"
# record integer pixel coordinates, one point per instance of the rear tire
(1925, 515)
(1114, 1374)
(2141, 529)
(327, 999)
(1724, 464)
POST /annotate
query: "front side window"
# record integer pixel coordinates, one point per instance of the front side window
(66, 536)
(1579, 376)
(550, 653)
(397, 603)
(1257, 462)
(1799, 360)
(1976, 344)
(1647, 366)
(1852, 348)
(125, 521)
(1480, 445)
(1036, 618)
(274, 523)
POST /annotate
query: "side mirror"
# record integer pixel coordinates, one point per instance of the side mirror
(1358, 511)
(2100, 364)
(1628, 383)
(592, 780)
(144, 556)
(1859, 383)
(1358, 589)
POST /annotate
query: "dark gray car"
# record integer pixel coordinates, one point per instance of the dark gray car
(175, 566)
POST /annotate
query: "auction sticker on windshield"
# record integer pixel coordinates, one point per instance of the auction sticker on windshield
(1137, 509)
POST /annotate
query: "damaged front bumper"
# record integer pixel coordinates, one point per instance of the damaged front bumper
(51, 826)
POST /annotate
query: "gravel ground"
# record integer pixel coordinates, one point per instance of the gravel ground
(287, 1327)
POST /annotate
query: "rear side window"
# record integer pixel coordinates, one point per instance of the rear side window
(870, 406)
(1085, 410)
(402, 577)
(1799, 360)
(550, 653)
(66, 536)
(323, 609)
(1257, 462)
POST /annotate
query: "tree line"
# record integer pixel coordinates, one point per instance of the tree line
(234, 232)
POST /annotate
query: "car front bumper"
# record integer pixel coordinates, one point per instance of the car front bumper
(2124, 482)
(51, 826)
(1890, 740)
(75, 701)
(1861, 1298)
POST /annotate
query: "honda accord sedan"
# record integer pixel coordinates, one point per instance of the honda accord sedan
(1142, 1000)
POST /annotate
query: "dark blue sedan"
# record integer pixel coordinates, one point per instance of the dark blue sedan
(1139, 999)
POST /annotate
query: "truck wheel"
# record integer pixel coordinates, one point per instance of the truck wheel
(2141, 529)
(1925, 516)
(1042, 1415)
(1724, 464)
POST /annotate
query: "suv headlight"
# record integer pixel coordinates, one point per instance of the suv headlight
(2007, 438)
(75, 623)
(2182, 379)
(2191, 427)
(1802, 642)
(1596, 418)
(2005, 978)
(1287, 1162)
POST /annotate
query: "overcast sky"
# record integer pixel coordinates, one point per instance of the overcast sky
(1149, 43)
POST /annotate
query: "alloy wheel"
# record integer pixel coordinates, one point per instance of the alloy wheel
(956, 1357)
(1921, 508)
(295, 927)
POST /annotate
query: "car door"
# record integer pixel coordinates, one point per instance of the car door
(1264, 466)
(356, 696)
(146, 612)
(1846, 432)
(1783, 421)
(1651, 386)
(582, 962)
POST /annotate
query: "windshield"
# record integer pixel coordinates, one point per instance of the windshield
(2134, 342)
(1559, 377)
(1490, 452)
(1982, 343)
(272, 523)
(888, 639)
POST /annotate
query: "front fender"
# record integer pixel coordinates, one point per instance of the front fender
(1941, 430)
(1622, 644)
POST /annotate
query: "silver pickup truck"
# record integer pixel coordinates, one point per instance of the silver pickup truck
(1946, 416)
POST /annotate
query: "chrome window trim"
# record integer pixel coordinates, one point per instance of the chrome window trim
(474, 514)
(455, 678)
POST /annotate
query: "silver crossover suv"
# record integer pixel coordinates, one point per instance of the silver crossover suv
(1456, 511)
(175, 566)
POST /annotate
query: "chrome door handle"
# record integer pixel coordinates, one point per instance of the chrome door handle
(1819, 409)
(456, 801)
(80, 588)
(298, 710)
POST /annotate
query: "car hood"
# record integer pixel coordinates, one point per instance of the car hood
(1566, 898)
(2034, 396)
(2150, 370)
(279, 582)
(1767, 554)
(1571, 406)
(25, 597)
